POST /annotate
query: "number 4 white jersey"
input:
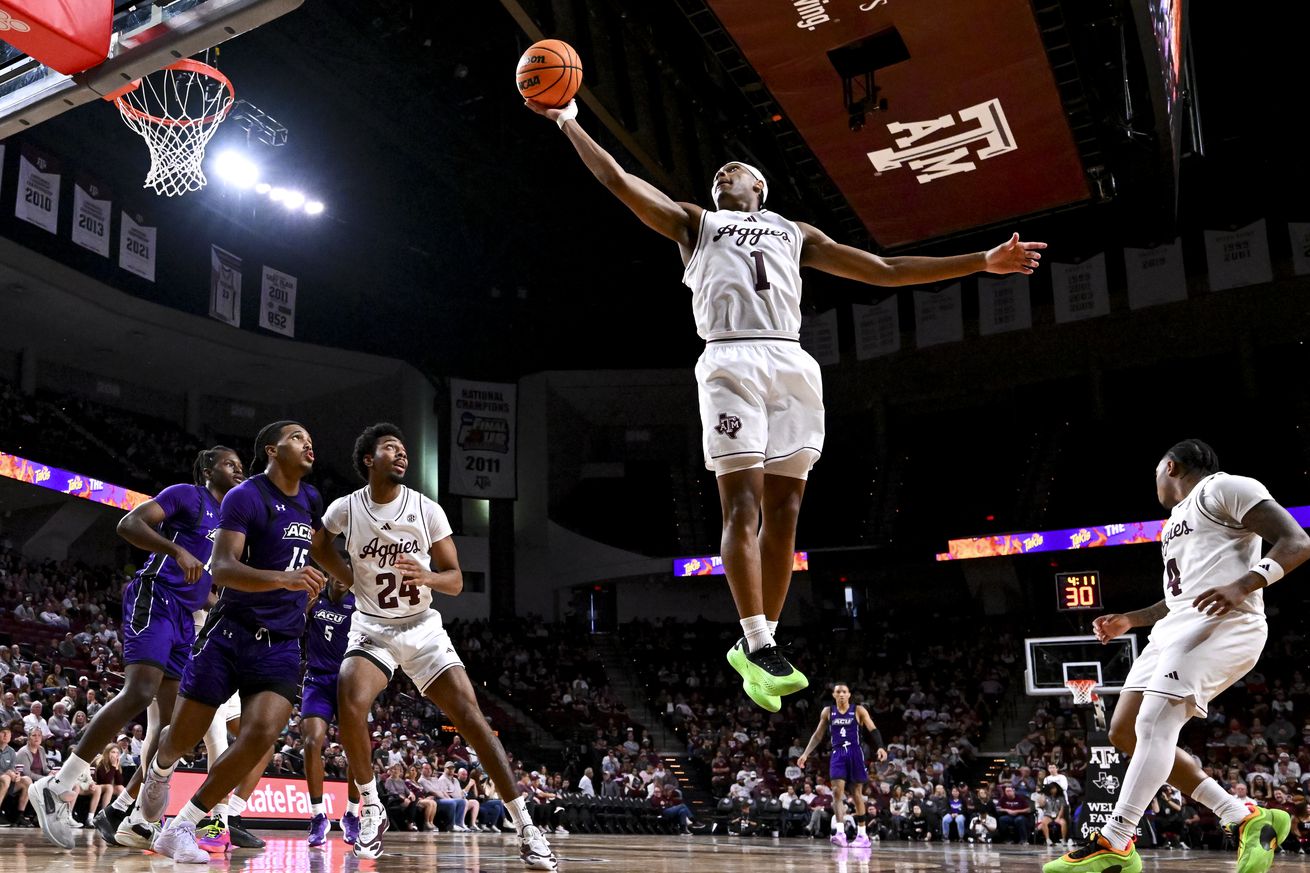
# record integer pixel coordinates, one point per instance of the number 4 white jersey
(378, 534)
(1205, 544)
(745, 276)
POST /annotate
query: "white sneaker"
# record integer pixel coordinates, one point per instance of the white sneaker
(178, 841)
(535, 851)
(136, 833)
(372, 825)
(153, 797)
(53, 814)
(562, 831)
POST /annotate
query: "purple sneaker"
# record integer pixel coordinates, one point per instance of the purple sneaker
(318, 828)
(350, 827)
(862, 841)
(839, 839)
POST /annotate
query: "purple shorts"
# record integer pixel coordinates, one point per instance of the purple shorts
(230, 657)
(157, 629)
(318, 696)
(848, 764)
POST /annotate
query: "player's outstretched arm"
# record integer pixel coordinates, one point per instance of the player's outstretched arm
(1289, 548)
(823, 253)
(325, 554)
(230, 572)
(815, 739)
(657, 210)
(140, 527)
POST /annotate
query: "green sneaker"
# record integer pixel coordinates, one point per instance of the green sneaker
(1097, 856)
(1258, 836)
(767, 669)
(766, 702)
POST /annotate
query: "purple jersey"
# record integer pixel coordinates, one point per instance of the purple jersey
(278, 529)
(325, 638)
(190, 520)
(845, 730)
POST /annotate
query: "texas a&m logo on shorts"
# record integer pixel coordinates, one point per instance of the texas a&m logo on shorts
(728, 425)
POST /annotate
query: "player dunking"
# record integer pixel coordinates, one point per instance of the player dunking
(847, 763)
(1209, 632)
(401, 550)
(325, 648)
(177, 528)
(251, 641)
(761, 395)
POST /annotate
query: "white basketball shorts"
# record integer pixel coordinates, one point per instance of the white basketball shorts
(761, 402)
(1194, 657)
(419, 646)
(229, 710)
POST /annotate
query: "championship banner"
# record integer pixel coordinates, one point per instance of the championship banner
(271, 799)
(38, 190)
(877, 328)
(91, 213)
(938, 317)
(482, 439)
(1238, 258)
(1004, 304)
(1299, 231)
(136, 247)
(224, 286)
(1081, 290)
(277, 302)
(1155, 275)
(1103, 781)
(819, 337)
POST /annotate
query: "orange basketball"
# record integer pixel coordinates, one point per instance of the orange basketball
(549, 73)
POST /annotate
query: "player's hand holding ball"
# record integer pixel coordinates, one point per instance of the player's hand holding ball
(1107, 627)
(548, 75)
(309, 579)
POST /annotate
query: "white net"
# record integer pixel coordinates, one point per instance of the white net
(176, 111)
(1081, 689)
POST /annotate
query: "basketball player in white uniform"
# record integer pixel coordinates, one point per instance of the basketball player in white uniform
(761, 395)
(1209, 632)
(400, 549)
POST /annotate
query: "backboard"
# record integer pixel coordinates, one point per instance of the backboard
(1050, 661)
(147, 37)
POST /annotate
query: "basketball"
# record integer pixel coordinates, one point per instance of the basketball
(549, 73)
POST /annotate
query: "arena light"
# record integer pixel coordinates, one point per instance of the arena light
(294, 200)
(236, 169)
(314, 207)
(263, 188)
(277, 194)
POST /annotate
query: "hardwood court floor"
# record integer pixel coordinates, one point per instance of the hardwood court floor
(24, 851)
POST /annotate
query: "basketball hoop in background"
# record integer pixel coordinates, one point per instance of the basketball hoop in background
(1084, 693)
(176, 111)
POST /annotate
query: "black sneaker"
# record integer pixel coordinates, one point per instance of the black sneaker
(107, 821)
(242, 838)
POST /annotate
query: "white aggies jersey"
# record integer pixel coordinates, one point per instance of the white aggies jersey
(745, 276)
(1205, 544)
(376, 535)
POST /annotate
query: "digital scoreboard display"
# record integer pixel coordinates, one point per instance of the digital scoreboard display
(1080, 590)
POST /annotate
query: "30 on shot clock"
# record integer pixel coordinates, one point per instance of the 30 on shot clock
(1081, 590)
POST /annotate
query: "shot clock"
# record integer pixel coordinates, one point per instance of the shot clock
(1081, 590)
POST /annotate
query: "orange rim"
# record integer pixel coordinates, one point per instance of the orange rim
(186, 65)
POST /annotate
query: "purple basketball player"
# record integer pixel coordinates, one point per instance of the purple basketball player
(177, 527)
(250, 643)
(325, 647)
(847, 765)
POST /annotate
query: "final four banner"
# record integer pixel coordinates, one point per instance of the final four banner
(483, 440)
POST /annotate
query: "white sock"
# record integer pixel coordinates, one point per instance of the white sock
(518, 813)
(772, 626)
(191, 812)
(1159, 722)
(66, 779)
(859, 829)
(220, 813)
(756, 629)
(317, 809)
(352, 807)
(123, 802)
(368, 792)
(161, 773)
(1229, 809)
(236, 805)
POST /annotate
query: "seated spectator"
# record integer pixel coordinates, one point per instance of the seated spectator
(401, 805)
(492, 808)
(450, 796)
(31, 759)
(107, 779)
(9, 710)
(983, 824)
(427, 805)
(1013, 814)
(668, 800)
(34, 722)
(12, 782)
(953, 817)
(1052, 814)
(60, 727)
(917, 826)
(469, 790)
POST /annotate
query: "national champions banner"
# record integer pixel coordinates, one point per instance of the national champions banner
(482, 439)
(1101, 784)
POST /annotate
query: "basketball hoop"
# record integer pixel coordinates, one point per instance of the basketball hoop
(1081, 689)
(176, 111)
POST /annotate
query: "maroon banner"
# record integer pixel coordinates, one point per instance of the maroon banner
(974, 132)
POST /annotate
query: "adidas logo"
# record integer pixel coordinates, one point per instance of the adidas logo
(386, 525)
(1173, 675)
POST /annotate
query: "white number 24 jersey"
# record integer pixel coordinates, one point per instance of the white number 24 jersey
(1205, 544)
(378, 534)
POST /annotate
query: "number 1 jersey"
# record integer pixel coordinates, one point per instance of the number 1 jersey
(1205, 544)
(745, 276)
(378, 534)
